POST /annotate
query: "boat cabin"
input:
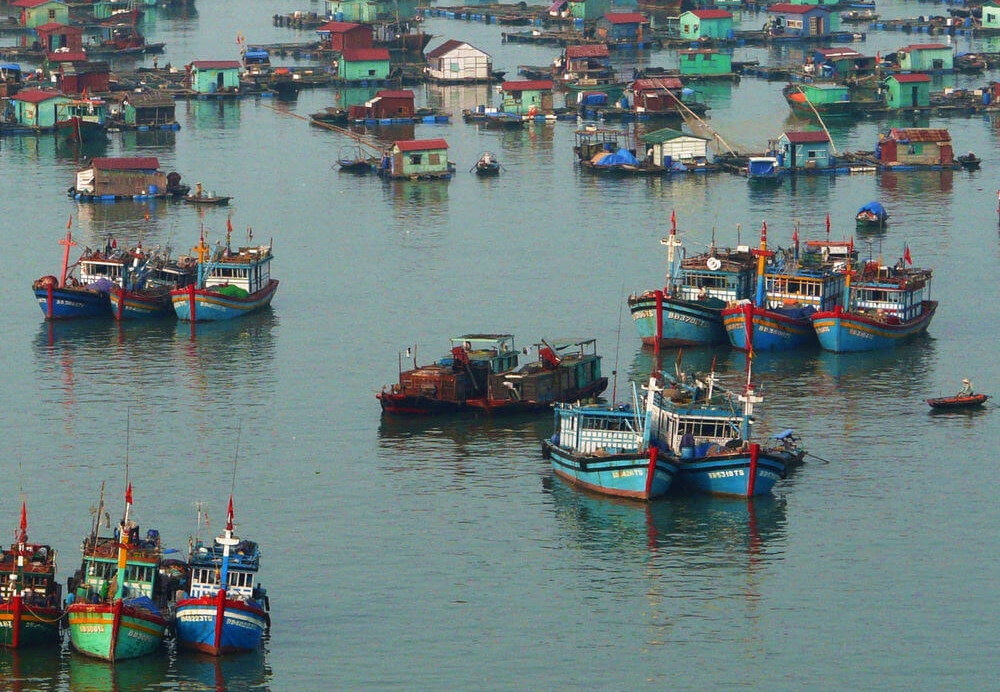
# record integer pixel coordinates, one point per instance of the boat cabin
(457, 61)
(99, 577)
(205, 563)
(893, 293)
(248, 269)
(912, 90)
(256, 61)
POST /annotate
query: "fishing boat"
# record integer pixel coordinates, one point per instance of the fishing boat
(871, 216)
(117, 597)
(30, 596)
(790, 288)
(354, 160)
(481, 373)
(83, 119)
(230, 283)
(958, 402)
(487, 165)
(883, 307)
(226, 608)
(200, 196)
(145, 292)
(970, 161)
(68, 297)
(688, 310)
(710, 426)
(609, 449)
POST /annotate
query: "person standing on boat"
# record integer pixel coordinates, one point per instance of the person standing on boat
(966, 388)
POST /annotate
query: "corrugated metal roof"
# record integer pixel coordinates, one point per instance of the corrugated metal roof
(528, 85)
(666, 134)
(51, 27)
(445, 48)
(926, 46)
(712, 14)
(35, 95)
(910, 78)
(337, 27)
(625, 17)
(657, 84)
(131, 163)
(421, 144)
(807, 137)
(788, 8)
(28, 4)
(588, 50)
(919, 134)
(394, 94)
(365, 54)
(215, 64)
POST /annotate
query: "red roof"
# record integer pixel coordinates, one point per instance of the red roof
(67, 57)
(788, 8)
(625, 17)
(809, 137)
(130, 163)
(365, 54)
(528, 85)
(54, 27)
(28, 4)
(712, 14)
(394, 94)
(911, 78)
(656, 84)
(926, 46)
(421, 144)
(35, 95)
(445, 48)
(919, 134)
(337, 27)
(588, 50)
(833, 53)
(215, 64)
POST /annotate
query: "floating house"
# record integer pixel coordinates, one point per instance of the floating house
(593, 10)
(991, 15)
(697, 25)
(214, 76)
(416, 159)
(341, 36)
(364, 64)
(667, 147)
(911, 90)
(36, 13)
(786, 20)
(53, 37)
(804, 151)
(705, 63)
(590, 60)
(915, 147)
(926, 57)
(124, 177)
(148, 109)
(656, 95)
(36, 108)
(527, 97)
(457, 62)
(838, 63)
(80, 77)
(620, 27)
(387, 104)
(353, 10)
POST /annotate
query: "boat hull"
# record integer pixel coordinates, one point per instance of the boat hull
(405, 404)
(139, 305)
(729, 473)
(217, 625)
(769, 330)
(683, 323)
(847, 332)
(24, 626)
(114, 631)
(958, 402)
(72, 302)
(207, 304)
(619, 475)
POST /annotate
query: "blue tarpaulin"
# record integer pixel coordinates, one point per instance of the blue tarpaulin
(620, 157)
(876, 209)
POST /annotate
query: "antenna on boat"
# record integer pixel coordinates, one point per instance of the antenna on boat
(236, 454)
(614, 373)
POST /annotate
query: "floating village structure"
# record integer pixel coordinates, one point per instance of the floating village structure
(705, 63)
(527, 97)
(35, 13)
(456, 62)
(699, 25)
(620, 27)
(916, 147)
(53, 37)
(667, 147)
(36, 108)
(341, 36)
(807, 151)
(147, 109)
(416, 159)
(790, 21)
(214, 76)
(926, 57)
(911, 90)
(364, 64)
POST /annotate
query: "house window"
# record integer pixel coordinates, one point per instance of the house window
(52, 15)
(415, 159)
(371, 73)
(454, 67)
(793, 23)
(434, 159)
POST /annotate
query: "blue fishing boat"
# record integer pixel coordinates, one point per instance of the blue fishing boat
(226, 608)
(116, 610)
(609, 449)
(710, 427)
(688, 311)
(872, 216)
(885, 306)
(778, 318)
(145, 292)
(229, 284)
(68, 296)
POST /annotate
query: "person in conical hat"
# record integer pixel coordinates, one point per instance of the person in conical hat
(966, 388)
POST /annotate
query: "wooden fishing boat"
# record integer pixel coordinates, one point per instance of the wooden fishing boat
(118, 597)
(763, 170)
(225, 609)
(209, 199)
(354, 160)
(609, 449)
(487, 165)
(885, 306)
(30, 596)
(958, 401)
(145, 292)
(872, 216)
(688, 310)
(481, 373)
(69, 297)
(790, 288)
(229, 284)
(970, 161)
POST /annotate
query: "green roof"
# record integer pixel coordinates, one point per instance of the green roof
(665, 135)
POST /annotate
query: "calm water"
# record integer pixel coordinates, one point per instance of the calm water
(442, 554)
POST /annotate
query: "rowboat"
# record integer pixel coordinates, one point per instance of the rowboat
(958, 402)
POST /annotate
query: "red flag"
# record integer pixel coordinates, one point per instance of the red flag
(906, 254)
(128, 494)
(229, 514)
(673, 219)
(24, 517)
(229, 225)
(850, 246)
(795, 236)
(69, 224)
(828, 224)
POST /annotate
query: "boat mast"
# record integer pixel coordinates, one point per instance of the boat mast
(761, 262)
(67, 242)
(672, 242)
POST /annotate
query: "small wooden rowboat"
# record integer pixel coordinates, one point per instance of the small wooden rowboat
(206, 199)
(955, 402)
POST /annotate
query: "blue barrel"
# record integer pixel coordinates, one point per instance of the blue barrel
(986, 98)
(154, 189)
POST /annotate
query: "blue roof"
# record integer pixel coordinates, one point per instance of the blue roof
(875, 208)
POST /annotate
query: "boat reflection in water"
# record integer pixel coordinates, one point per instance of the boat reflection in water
(243, 671)
(94, 675)
(22, 670)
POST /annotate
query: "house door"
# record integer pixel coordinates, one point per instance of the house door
(220, 81)
(914, 96)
